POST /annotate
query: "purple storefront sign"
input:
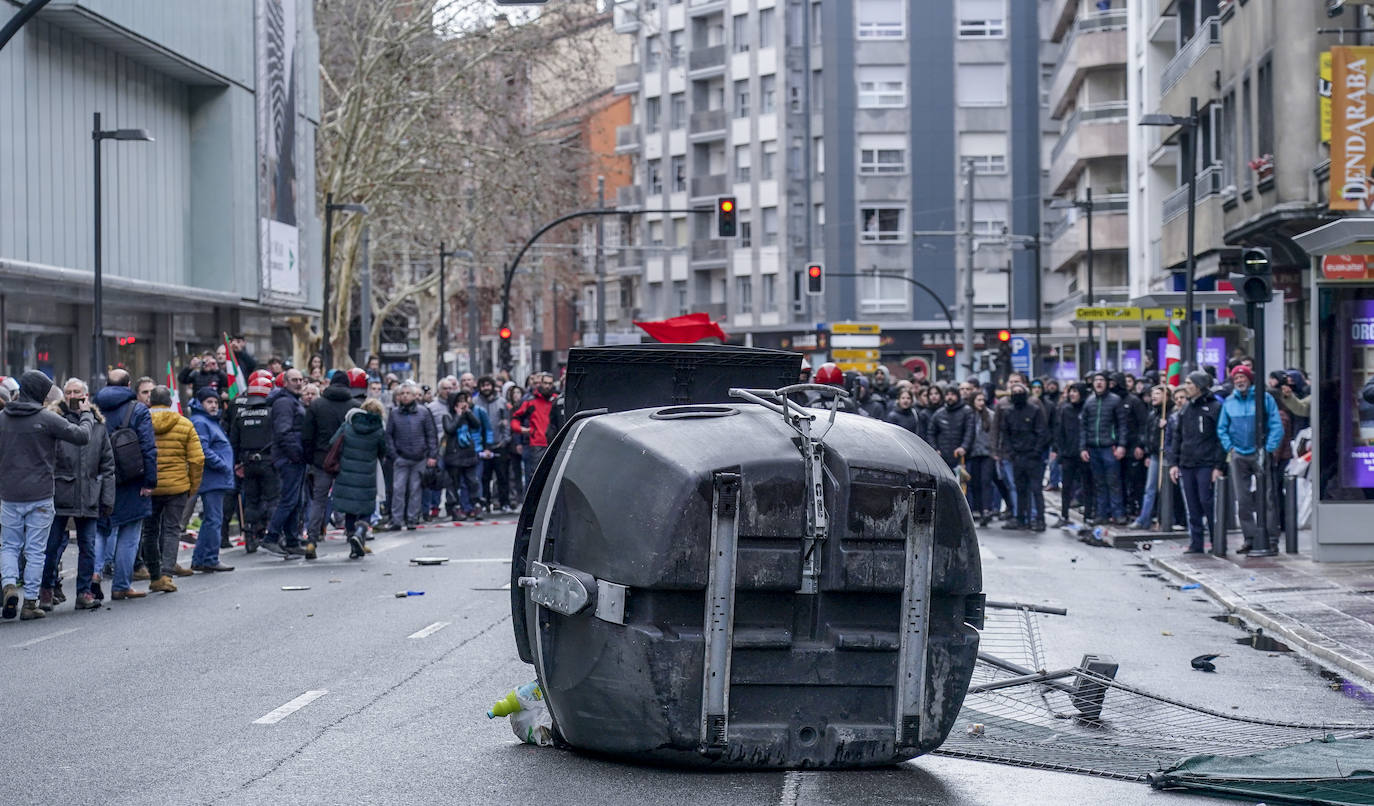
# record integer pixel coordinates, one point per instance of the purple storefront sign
(1356, 416)
(1066, 371)
(1210, 352)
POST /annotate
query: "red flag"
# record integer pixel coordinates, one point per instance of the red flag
(1173, 354)
(686, 329)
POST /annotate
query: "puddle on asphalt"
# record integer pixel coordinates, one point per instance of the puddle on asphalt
(1337, 683)
(1263, 643)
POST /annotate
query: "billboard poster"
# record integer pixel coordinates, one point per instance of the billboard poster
(1210, 352)
(277, 70)
(1356, 411)
(1352, 138)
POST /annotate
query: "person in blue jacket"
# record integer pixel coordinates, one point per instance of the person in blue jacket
(118, 535)
(217, 480)
(1236, 430)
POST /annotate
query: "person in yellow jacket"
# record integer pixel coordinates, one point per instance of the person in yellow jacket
(180, 462)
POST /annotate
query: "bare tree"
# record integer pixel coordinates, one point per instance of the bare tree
(432, 126)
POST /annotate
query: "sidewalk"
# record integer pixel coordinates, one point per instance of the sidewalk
(1324, 609)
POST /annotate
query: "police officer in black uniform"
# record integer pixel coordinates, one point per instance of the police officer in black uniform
(250, 435)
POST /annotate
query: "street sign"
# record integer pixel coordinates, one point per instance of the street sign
(1162, 314)
(854, 354)
(866, 367)
(395, 348)
(1020, 354)
(1112, 313)
(857, 328)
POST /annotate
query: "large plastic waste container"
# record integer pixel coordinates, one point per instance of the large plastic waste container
(722, 585)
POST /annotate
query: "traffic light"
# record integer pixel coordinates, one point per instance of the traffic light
(1004, 336)
(504, 333)
(725, 217)
(950, 352)
(815, 279)
(1256, 279)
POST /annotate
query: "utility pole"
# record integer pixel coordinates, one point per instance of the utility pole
(1092, 362)
(365, 304)
(474, 348)
(440, 365)
(969, 172)
(600, 263)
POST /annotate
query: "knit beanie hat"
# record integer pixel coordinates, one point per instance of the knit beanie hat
(205, 393)
(1201, 380)
(35, 386)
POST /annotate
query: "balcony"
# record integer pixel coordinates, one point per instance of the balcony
(707, 250)
(1193, 70)
(627, 78)
(703, 187)
(706, 61)
(626, 16)
(627, 138)
(699, 8)
(629, 197)
(708, 124)
(1209, 217)
(1068, 237)
(715, 310)
(1092, 132)
(1097, 41)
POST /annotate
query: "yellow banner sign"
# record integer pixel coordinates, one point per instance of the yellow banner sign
(1161, 314)
(1126, 314)
(1324, 93)
(867, 368)
(1352, 136)
(854, 355)
(856, 327)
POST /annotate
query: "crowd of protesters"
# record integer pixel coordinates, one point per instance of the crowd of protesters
(1112, 444)
(126, 469)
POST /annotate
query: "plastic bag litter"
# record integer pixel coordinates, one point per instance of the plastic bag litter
(529, 714)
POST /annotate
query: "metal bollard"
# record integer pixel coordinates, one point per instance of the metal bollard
(1290, 514)
(1221, 510)
(1165, 501)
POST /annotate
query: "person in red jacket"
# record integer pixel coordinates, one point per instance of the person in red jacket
(532, 419)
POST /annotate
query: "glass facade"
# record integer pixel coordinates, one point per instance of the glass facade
(1345, 383)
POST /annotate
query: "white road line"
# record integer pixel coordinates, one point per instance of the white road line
(40, 639)
(278, 714)
(430, 630)
(505, 560)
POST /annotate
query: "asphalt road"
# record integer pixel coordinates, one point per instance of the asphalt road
(233, 690)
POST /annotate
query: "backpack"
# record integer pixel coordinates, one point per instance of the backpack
(128, 453)
(333, 460)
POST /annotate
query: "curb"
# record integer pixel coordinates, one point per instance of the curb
(1283, 629)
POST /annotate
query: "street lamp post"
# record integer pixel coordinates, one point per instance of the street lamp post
(443, 308)
(1189, 125)
(98, 300)
(1033, 242)
(1086, 205)
(326, 350)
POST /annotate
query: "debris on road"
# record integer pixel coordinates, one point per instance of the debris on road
(404, 594)
(295, 587)
(529, 715)
(429, 560)
(1203, 663)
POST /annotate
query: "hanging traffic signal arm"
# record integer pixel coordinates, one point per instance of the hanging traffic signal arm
(815, 279)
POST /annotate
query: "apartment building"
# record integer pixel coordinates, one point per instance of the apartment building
(1087, 98)
(1260, 163)
(840, 128)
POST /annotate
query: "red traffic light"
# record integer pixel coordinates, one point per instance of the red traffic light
(726, 205)
(949, 352)
(1004, 335)
(505, 334)
(814, 271)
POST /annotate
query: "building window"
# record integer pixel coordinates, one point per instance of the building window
(881, 19)
(742, 98)
(882, 225)
(768, 25)
(817, 92)
(768, 94)
(816, 22)
(989, 227)
(654, 175)
(818, 149)
(678, 164)
(742, 163)
(652, 48)
(744, 295)
(741, 31)
(746, 229)
(882, 86)
(1247, 135)
(767, 164)
(986, 150)
(981, 84)
(680, 296)
(770, 293)
(1264, 108)
(1228, 139)
(883, 292)
(882, 154)
(1046, 77)
(677, 110)
(677, 47)
(653, 110)
(655, 233)
(680, 231)
(770, 226)
(982, 19)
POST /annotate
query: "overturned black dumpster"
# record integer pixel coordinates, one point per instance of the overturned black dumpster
(747, 584)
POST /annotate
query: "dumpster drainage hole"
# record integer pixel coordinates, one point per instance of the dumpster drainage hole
(807, 735)
(693, 412)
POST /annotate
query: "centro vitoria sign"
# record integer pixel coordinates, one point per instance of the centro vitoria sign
(1352, 129)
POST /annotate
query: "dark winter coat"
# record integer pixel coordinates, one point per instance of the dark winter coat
(874, 407)
(1066, 438)
(908, 419)
(532, 418)
(322, 421)
(1137, 412)
(1150, 438)
(113, 402)
(498, 417)
(218, 475)
(464, 437)
(250, 432)
(411, 433)
(1104, 422)
(84, 475)
(951, 428)
(1024, 431)
(288, 417)
(28, 437)
(196, 379)
(982, 436)
(1195, 442)
(364, 444)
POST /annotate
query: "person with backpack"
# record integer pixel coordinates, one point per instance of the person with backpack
(250, 436)
(135, 454)
(362, 444)
(323, 417)
(84, 491)
(29, 434)
(216, 480)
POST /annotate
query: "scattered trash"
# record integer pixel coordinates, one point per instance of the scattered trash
(1165, 632)
(295, 587)
(1203, 663)
(404, 594)
(429, 560)
(977, 729)
(1191, 586)
(336, 579)
(529, 715)
(1073, 559)
(1146, 546)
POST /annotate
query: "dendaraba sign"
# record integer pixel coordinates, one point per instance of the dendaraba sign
(1352, 129)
